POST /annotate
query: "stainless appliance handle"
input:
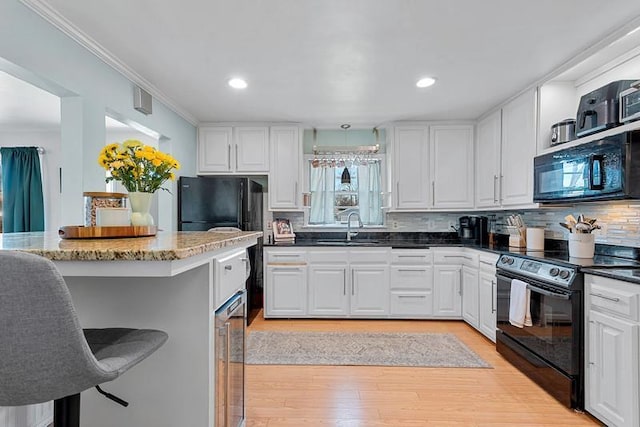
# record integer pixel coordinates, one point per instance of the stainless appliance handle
(605, 297)
(412, 256)
(227, 385)
(412, 296)
(493, 307)
(236, 156)
(547, 293)
(229, 156)
(433, 193)
(412, 269)
(397, 194)
(501, 185)
(495, 193)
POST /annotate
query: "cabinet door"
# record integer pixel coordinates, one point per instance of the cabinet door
(369, 290)
(447, 301)
(286, 291)
(284, 176)
(487, 288)
(470, 304)
(251, 149)
(518, 150)
(452, 166)
(611, 386)
(328, 290)
(489, 131)
(214, 149)
(410, 165)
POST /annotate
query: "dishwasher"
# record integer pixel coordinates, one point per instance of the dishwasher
(230, 321)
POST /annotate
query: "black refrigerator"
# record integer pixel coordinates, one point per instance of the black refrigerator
(223, 201)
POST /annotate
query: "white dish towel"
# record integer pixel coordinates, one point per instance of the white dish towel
(520, 304)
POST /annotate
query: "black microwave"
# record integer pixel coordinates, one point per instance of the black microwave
(605, 169)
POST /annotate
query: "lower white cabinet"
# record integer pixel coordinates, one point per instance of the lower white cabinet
(286, 294)
(612, 347)
(447, 301)
(487, 288)
(470, 303)
(369, 290)
(328, 290)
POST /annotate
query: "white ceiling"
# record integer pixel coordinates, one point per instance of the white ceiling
(336, 61)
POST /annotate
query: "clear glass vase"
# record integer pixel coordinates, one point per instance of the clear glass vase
(140, 204)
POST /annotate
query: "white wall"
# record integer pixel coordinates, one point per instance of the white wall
(50, 162)
(35, 51)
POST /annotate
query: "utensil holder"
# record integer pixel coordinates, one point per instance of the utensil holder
(582, 245)
(517, 237)
(535, 239)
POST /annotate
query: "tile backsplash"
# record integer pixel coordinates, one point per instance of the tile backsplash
(620, 221)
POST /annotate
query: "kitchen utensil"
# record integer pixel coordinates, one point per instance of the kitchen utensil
(563, 131)
(567, 226)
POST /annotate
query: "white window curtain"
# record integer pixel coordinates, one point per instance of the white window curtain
(369, 193)
(322, 188)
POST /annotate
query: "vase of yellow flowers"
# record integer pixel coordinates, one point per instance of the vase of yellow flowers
(142, 170)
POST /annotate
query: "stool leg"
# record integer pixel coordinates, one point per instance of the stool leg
(66, 411)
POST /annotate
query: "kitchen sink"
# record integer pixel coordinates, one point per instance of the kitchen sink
(343, 242)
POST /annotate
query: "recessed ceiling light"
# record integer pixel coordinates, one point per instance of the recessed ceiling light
(238, 83)
(425, 82)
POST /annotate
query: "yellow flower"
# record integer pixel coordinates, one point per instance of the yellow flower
(156, 162)
(172, 176)
(139, 154)
(132, 143)
(117, 164)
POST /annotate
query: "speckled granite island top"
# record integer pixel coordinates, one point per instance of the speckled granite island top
(165, 246)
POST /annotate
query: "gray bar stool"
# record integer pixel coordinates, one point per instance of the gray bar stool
(44, 353)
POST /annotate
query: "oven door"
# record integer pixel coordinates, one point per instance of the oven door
(556, 316)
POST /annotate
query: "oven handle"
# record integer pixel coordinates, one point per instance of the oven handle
(547, 293)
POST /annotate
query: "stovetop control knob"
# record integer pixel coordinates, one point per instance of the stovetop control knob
(509, 260)
(564, 274)
(504, 259)
(554, 271)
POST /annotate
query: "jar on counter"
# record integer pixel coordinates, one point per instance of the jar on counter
(98, 199)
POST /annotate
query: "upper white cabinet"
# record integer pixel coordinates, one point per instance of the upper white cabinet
(518, 150)
(286, 164)
(433, 167)
(489, 134)
(451, 166)
(410, 167)
(226, 149)
(506, 146)
(251, 149)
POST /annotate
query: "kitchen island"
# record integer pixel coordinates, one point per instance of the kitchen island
(165, 282)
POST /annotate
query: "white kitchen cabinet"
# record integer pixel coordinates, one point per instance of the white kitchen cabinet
(518, 145)
(410, 168)
(451, 157)
(214, 149)
(488, 152)
(470, 304)
(251, 149)
(328, 290)
(286, 163)
(411, 283)
(229, 150)
(447, 301)
(369, 290)
(286, 290)
(487, 288)
(505, 148)
(612, 349)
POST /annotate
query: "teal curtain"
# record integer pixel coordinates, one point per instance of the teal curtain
(23, 204)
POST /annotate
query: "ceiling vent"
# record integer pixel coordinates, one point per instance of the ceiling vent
(142, 100)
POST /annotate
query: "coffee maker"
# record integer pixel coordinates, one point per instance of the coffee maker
(473, 229)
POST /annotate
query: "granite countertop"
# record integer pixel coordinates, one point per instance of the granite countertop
(165, 246)
(631, 275)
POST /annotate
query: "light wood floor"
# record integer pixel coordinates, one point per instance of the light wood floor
(349, 396)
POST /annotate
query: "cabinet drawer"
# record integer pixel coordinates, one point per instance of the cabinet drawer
(411, 277)
(411, 303)
(488, 261)
(328, 256)
(450, 257)
(231, 272)
(289, 256)
(614, 296)
(369, 255)
(411, 256)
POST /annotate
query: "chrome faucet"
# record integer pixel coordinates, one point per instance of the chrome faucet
(350, 233)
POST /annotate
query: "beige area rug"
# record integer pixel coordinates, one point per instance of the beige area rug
(371, 349)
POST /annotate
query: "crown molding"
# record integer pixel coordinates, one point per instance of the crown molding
(63, 24)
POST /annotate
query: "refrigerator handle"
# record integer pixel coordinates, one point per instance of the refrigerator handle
(240, 209)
